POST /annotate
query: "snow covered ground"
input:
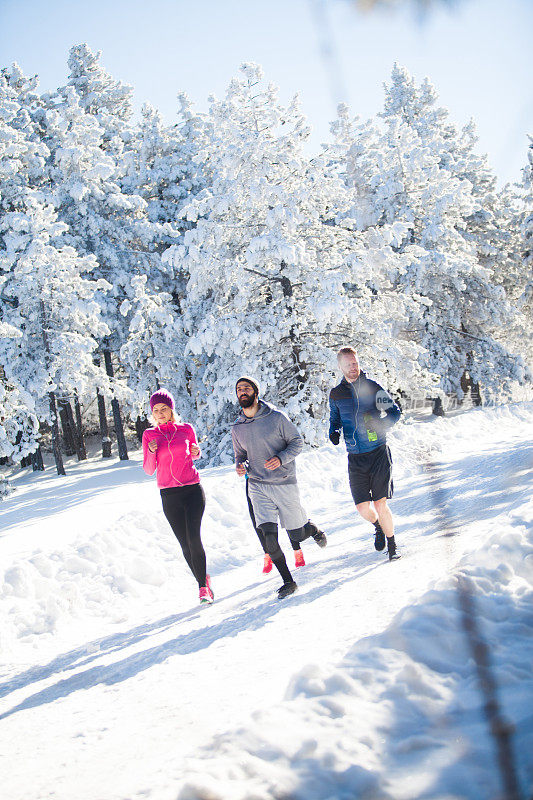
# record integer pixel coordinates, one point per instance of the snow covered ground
(115, 684)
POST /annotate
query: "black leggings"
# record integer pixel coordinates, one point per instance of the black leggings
(308, 529)
(183, 506)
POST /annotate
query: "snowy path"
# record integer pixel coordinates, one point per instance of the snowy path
(125, 714)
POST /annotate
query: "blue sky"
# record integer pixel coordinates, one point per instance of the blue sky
(478, 55)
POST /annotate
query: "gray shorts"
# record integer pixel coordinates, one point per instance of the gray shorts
(270, 500)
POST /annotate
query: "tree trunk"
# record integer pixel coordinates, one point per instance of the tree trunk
(141, 424)
(119, 429)
(55, 435)
(104, 430)
(25, 462)
(475, 394)
(37, 460)
(78, 431)
(465, 384)
(299, 364)
(68, 433)
(51, 397)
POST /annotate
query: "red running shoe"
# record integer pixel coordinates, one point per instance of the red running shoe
(299, 560)
(267, 566)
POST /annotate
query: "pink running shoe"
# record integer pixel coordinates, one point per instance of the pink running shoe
(209, 587)
(205, 595)
(299, 560)
(267, 566)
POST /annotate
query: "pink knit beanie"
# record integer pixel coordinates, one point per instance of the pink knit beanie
(162, 396)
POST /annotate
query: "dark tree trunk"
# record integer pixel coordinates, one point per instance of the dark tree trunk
(475, 394)
(72, 426)
(55, 435)
(78, 430)
(37, 460)
(299, 363)
(104, 430)
(66, 425)
(25, 462)
(141, 424)
(465, 384)
(119, 429)
(51, 396)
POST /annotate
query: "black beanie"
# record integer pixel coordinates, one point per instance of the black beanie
(251, 381)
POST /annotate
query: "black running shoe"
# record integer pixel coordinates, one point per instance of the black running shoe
(394, 555)
(379, 537)
(287, 589)
(320, 538)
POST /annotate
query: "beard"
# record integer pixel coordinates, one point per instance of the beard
(245, 401)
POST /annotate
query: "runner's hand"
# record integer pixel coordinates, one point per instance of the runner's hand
(195, 450)
(273, 463)
(241, 469)
(152, 445)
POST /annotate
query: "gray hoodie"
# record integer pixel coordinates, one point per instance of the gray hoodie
(269, 433)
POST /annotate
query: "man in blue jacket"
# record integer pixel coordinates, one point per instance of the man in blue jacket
(356, 407)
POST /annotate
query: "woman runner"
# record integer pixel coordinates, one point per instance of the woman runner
(170, 448)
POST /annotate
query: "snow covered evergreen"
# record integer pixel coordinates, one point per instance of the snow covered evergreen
(101, 96)
(51, 307)
(161, 167)
(111, 225)
(19, 425)
(419, 171)
(524, 282)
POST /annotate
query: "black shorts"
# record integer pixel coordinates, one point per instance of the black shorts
(370, 474)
